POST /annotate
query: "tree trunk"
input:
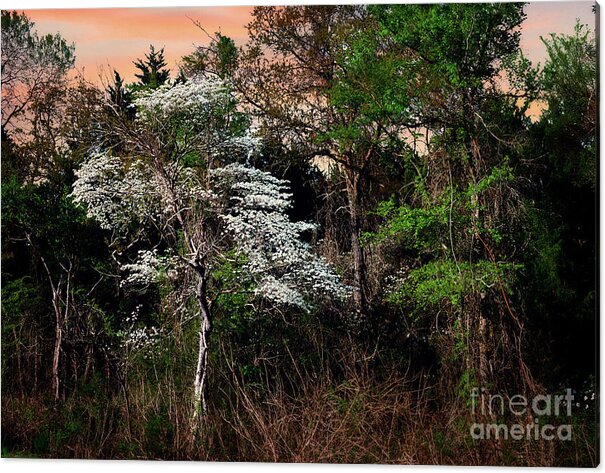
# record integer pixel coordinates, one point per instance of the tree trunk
(484, 371)
(198, 263)
(357, 252)
(60, 316)
(58, 341)
(200, 385)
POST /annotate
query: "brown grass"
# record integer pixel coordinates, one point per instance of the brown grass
(312, 418)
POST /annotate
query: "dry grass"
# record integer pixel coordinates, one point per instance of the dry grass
(312, 418)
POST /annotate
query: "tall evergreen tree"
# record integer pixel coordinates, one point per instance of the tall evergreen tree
(153, 72)
(120, 96)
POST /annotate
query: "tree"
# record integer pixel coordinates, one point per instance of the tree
(219, 57)
(458, 223)
(176, 187)
(153, 73)
(315, 97)
(31, 66)
(561, 261)
(48, 242)
(46, 123)
(120, 95)
(570, 92)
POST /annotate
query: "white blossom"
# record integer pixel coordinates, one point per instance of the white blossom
(114, 195)
(280, 293)
(288, 272)
(195, 98)
(139, 339)
(127, 195)
(193, 107)
(143, 272)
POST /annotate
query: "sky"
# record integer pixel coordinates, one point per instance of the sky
(108, 39)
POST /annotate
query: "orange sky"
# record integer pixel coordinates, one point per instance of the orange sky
(112, 38)
(109, 39)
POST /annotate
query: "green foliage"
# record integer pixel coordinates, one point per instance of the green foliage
(468, 382)
(569, 83)
(226, 55)
(461, 340)
(498, 175)
(220, 57)
(570, 71)
(71, 427)
(523, 79)
(49, 49)
(441, 281)
(44, 51)
(459, 42)
(234, 301)
(492, 221)
(424, 225)
(347, 402)
(18, 297)
(414, 227)
(373, 87)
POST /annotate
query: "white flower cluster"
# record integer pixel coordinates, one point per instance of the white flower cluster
(195, 99)
(252, 189)
(143, 271)
(146, 269)
(196, 109)
(127, 195)
(394, 282)
(139, 339)
(281, 293)
(113, 195)
(98, 187)
(226, 146)
(287, 271)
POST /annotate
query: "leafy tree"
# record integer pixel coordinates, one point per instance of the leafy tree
(561, 264)
(191, 205)
(319, 95)
(43, 110)
(458, 223)
(31, 66)
(120, 96)
(461, 44)
(47, 122)
(153, 72)
(48, 241)
(159, 239)
(570, 92)
(219, 57)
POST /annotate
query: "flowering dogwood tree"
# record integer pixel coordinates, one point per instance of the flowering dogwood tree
(176, 185)
(287, 272)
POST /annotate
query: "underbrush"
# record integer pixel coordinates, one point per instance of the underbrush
(358, 419)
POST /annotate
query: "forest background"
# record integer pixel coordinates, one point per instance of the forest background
(310, 247)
